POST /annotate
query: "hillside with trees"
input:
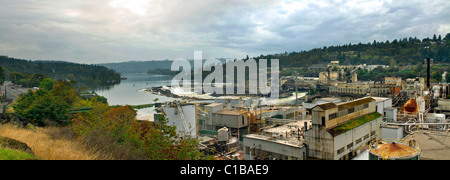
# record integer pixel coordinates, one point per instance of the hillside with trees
(30, 73)
(403, 51)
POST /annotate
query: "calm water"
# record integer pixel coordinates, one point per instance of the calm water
(127, 92)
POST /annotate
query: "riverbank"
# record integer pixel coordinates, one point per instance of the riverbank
(284, 98)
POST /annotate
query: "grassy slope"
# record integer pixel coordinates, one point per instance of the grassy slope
(48, 143)
(10, 154)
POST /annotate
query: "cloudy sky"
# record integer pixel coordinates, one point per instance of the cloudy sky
(98, 31)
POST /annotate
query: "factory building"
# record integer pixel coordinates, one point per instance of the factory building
(283, 142)
(340, 130)
(337, 131)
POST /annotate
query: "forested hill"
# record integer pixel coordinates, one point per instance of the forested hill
(139, 66)
(402, 51)
(89, 75)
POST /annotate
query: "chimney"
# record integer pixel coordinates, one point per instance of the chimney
(428, 72)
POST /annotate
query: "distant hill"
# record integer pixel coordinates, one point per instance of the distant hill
(89, 75)
(138, 66)
(403, 51)
(146, 66)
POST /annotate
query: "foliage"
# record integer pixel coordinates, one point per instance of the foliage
(26, 79)
(418, 70)
(46, 84)
(122, 129)
(41, 105)
(354, 123)
(44, 105)
(398, 52)
(12, 154)
(89, 75)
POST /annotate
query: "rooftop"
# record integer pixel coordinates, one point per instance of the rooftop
(286, 134)
(214, 104)
(352, 104)
(231, 112)
(394, 150)
(353, 124)
(380, 99)
(327, 106)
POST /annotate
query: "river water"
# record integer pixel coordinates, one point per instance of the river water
(129, 92)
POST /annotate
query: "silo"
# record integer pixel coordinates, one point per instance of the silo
(394, 151)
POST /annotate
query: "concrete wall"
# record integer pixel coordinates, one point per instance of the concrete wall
(174, 118)
(359, 136)
(320, 142)
(260, 147)
(233, 121)
(392, 132)
(383, 104)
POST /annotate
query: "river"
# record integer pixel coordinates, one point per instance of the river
(128, 92)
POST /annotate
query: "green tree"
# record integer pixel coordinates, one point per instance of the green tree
(39, 106)
(46, 84)
(437, 76)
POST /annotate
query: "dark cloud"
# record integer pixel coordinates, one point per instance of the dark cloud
(118, 30)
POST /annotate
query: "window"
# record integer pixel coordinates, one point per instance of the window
(366, 136)
(332, 116)
(366, 106)
(349, 145)
(340, 151)
(351, 110)
(323, 121)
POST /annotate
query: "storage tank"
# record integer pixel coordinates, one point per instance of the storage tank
(394, 151)
(411, 106)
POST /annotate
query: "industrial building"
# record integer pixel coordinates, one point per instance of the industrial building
(336, 131)
(284, 142)
(182, 115)
(340, 130)
(358, 88)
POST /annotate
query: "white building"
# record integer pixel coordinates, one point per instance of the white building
(284, 142)
(183, 116)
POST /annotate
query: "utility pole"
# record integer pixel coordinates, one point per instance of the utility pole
(296, 91)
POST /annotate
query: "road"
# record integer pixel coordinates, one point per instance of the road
(12, 92)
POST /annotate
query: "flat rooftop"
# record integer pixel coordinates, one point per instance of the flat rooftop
(434, 145)
(380, 99)
(231, 112)
(278, 134)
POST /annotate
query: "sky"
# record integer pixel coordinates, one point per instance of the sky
(102, 31)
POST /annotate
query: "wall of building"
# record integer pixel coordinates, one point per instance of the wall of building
(233, 121)
(350, 88)
(320, 142)
(383, 104)
(174, 118)
(323, 145)
(392, 132)
(266, 148)
(351, 141)
(344, 115)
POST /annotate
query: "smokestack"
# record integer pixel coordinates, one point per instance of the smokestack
(428, 72)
